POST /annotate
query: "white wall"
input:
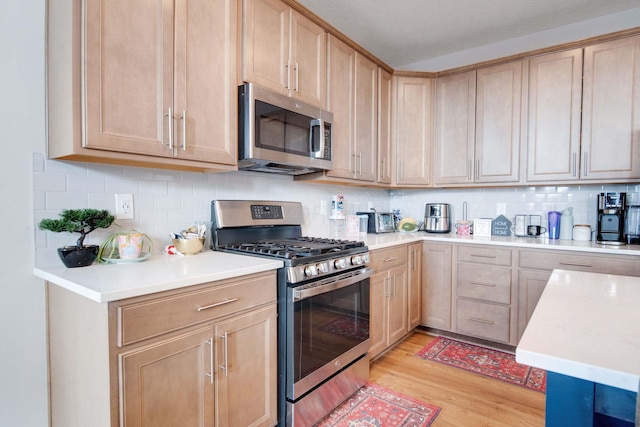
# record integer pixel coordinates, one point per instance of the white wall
(23, 374)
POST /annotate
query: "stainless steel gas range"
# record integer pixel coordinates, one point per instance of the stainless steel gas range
(323, 304)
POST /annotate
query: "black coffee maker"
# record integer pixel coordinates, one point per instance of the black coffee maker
(611, 211)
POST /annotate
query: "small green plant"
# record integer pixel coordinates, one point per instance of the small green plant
(82, 221)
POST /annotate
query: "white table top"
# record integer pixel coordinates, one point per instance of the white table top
(587, 326)
(111, 282)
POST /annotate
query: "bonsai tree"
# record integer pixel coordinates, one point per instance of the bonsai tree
(82, 221)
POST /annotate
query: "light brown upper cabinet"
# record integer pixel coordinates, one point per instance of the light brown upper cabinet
(385, 141)
(553, 129)
(455, 113)
(155, 81)
(477, 126)
(284, 51)
(352, 98)
(611, 111)
(413, 130)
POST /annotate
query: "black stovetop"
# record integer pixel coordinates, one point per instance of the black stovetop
(297, 247)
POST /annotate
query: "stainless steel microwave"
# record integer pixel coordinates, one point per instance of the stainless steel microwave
(279, 134)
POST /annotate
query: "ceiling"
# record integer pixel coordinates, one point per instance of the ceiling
(404, 32)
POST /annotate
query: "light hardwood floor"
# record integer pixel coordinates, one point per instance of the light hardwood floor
(466, 399)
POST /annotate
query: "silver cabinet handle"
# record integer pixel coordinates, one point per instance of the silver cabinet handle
(225, 366)
(382, 169)
(486, 322)
(482, 256)
(297, 77)
(483, 284)
(210, 374)
(585, 164)
(401, 172)
(573, 168)
(170, 128)
(183, 119)
(477, 169)
(286, 69)
(390, 259)
(360, 163)
(217, 304)
(576, 264)
(469, 169)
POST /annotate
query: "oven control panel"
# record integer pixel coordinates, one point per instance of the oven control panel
(266, 212)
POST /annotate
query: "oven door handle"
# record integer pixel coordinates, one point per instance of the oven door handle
(323, 287)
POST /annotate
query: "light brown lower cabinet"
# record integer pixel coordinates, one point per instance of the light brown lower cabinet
(436, 285)
(199, 356)
(388, 298)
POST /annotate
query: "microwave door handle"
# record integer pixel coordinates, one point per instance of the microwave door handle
(316, 139)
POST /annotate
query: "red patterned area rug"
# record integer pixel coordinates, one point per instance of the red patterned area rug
(376, 406)
(345, 325)
(491, 363)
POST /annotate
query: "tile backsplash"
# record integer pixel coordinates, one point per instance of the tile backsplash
(168, 201)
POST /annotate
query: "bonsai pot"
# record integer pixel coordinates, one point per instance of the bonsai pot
(78, 256)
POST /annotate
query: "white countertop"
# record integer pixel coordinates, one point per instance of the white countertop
(110, 282)
(586, 326)
(378, 241)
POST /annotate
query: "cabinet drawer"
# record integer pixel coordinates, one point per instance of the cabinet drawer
(549, 260)
(382, 259)
(484, 255)
(484, 283)
(142, 319)
(483, 320)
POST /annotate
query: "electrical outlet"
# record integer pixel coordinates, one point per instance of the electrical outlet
(124, 206)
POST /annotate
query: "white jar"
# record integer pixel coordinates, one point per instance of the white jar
(582, 232)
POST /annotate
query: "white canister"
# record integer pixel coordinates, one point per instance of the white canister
(582, 232)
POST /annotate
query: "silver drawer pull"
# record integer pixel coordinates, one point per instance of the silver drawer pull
(487, 322)
(576, 264)
(390, 259)
(483, 284)
(210, 375)
(483, 256)
(227, 301)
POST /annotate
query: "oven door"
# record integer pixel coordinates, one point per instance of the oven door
(327, 328)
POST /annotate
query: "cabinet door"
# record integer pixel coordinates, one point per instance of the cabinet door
(308, 60)
(265, 43)
(206, 88)
(366, 119)
(531, 284)
(554, 110)
(497, 142)
(128, 76)
(384, 126)
(340, 93)
(169, 383)
(455, 128)
(414, 288)
(378, 326)
(246, 369)
(611, 111)
(397, 312)
(436, 285)
(413, 130)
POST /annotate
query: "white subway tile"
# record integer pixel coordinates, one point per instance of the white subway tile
(58, 200)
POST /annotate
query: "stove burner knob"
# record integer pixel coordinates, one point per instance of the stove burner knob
(356, 260)
(311, 270)
(323, 268)
(339, 264)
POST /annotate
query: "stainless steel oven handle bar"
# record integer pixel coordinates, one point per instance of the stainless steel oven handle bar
(337, 282)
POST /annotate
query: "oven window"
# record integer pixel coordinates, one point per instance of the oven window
(328, 325)
(281, 130)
